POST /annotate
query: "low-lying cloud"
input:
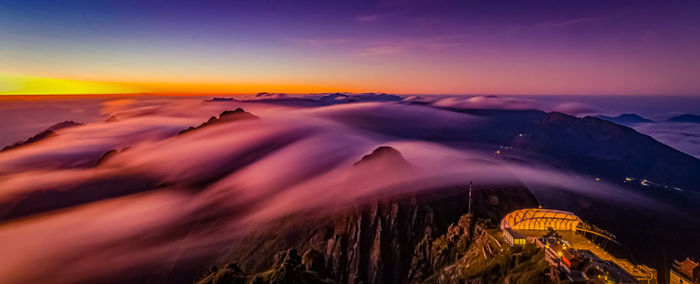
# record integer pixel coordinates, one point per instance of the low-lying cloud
(218, 183)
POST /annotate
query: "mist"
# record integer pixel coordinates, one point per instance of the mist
(176, 199)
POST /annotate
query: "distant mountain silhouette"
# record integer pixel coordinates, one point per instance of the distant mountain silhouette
(49, 132)
(330, 99)
(221, 100)
(224, 117)
(605, 149)
(628, 119)
(686, 118)
(589, 145)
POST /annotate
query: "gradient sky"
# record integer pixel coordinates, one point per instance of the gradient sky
(437, 46)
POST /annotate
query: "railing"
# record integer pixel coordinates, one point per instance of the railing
(584, 227)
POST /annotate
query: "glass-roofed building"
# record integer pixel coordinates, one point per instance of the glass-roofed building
(516, 224)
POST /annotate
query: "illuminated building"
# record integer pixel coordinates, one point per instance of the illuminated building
(684, 272)
(573, 257)
(535, 220)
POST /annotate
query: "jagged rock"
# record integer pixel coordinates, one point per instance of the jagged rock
(289, 260)
(486, 259)
(382, 153)
(224, 117)
(390, 241)
(422, 262)
(314, 260)
(63, 124)
(106, 156)
(230, 274)
(110, 154)
(287, 268)
(49, 132)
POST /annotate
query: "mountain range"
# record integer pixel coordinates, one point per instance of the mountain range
(432, 234)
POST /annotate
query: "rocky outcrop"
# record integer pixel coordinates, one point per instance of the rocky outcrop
(471, 251)
(390, 241)
(224, 117)
(431, 255)
(107, 155)
(49, 132)
(381, 157)
(487, 259)
(288, 267)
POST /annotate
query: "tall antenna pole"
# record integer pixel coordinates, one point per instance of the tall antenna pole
(470, 197)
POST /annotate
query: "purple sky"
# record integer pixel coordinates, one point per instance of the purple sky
(455, 47)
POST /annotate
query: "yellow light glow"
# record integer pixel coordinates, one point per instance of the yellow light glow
(11, 84)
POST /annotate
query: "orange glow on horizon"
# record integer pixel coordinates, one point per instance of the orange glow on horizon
(32, 85)
(25, 85)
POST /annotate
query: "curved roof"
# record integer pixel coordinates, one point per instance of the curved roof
(540, 219)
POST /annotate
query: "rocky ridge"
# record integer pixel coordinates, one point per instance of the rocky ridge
(48, 133)
(401, 240)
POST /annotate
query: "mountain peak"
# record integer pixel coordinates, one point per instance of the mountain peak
(626, 119)
(49, 132)
(63, 124)
(383, 154)
(686, 118)
(226, 116)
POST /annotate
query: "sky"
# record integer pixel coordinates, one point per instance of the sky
(406, 47)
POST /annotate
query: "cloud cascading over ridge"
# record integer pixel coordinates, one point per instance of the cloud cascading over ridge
(200, 190)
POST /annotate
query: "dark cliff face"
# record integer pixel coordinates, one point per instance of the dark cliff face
(400, 241)
(377, 243)
(390, 242)
(288, 267)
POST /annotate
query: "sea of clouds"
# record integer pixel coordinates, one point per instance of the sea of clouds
(210, 186)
